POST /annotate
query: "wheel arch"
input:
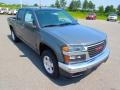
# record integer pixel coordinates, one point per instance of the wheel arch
(11, 27)
(43, 46)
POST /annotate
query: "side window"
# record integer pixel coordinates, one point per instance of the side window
(28, 17)
(20, 14)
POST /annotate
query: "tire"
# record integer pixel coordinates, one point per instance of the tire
(50, 63)
(14, 37)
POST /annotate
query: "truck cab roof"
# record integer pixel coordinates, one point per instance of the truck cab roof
(39, 8)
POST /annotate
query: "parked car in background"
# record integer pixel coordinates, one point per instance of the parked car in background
(91, 16)
(10, 12)
(15, 12)
(112, 17)
(2, 11)
(6, 10)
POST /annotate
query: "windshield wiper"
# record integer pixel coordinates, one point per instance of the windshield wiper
(51, 25)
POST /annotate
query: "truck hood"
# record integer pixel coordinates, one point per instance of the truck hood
(76, 34)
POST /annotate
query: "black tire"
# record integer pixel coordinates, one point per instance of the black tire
(53, 59)
(14, 37)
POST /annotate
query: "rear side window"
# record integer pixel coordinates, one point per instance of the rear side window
(28, 18)
(20, 14)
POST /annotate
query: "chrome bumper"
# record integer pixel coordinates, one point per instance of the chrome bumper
(79, 67)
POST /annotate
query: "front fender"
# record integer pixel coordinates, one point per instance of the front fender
(52, 42)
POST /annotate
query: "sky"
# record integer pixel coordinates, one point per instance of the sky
(48, 2)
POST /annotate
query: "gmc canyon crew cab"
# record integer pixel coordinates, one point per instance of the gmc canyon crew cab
(66, 47)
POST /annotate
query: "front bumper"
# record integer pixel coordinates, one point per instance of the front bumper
(112, 18)
(84, 66)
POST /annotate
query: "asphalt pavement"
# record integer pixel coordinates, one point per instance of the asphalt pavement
(21, 67)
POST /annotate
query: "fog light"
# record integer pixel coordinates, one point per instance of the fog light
(78, 58)
(75, 57)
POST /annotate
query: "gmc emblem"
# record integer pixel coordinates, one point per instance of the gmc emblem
(98, 48)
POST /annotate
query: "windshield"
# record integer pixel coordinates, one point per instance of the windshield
(113, 14)
(47, 18)
(92, 14)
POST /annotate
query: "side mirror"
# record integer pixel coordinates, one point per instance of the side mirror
(31, 24)
(34, 24)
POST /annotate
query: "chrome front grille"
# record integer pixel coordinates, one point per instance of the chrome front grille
(96, 49)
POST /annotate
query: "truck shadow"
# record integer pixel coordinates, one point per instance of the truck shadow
(35, 59)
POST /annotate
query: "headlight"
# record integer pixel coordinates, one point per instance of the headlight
(74, 52)
(74, 48)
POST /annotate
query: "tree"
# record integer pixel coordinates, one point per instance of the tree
(78, 4)
(57, 4)
(36, 5)
(52, 5)
(62, 3)
(107, 9)
(118, 8)
(91, 5)
(85, 5)
(101, 9)
(74, 5)
(110, 9)
(71, 6)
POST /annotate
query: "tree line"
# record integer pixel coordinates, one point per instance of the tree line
(76, 5)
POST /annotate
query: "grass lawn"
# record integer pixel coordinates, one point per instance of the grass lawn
(10, 6)
(78, 15)
(82, 15)
(119, 18)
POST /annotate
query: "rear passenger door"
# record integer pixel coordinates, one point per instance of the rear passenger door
(19, 23)
(30, 30)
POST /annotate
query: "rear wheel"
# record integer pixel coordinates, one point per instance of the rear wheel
(50, 63)
(14, 37)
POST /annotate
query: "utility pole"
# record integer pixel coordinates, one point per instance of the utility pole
(21, 3)
(39, 3)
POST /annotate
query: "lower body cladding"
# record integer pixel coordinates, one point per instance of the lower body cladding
(74, 70)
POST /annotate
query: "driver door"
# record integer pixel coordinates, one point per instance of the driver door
(30, 29)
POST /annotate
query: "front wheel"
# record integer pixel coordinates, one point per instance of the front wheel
(50, 63)
(14, 37)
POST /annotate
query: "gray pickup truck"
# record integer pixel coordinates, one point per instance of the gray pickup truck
(66, 47)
